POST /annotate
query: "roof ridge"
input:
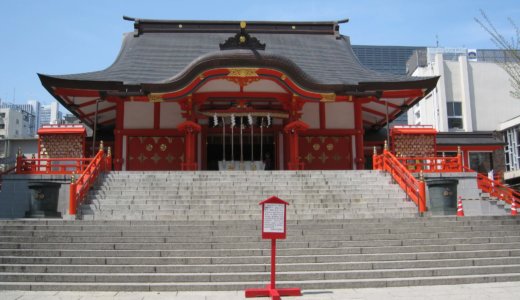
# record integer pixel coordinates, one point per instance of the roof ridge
(221, 26)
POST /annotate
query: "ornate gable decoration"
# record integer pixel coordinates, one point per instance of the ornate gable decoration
(242, 40)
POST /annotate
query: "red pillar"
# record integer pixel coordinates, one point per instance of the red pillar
(190, 130)
(293, 130)
(118, 136)
(360, 149)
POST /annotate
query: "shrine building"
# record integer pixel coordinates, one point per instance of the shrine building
(208, 95)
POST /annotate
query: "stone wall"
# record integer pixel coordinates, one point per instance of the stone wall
(19, 192)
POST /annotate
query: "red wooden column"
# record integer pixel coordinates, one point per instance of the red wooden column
(118, 136)
(190, 130)
(359, 133)
(292, 130)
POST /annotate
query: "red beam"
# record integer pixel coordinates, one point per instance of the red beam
(76, 92)
(402, 94)
(374, 112)
(100, 111)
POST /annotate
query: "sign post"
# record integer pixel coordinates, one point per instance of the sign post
(274, 226)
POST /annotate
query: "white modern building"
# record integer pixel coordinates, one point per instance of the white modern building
(471, 100)
(511, 131)
(470, 95)
(16, 121)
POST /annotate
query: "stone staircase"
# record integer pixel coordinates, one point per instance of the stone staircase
(178, 231)
(183, 196)
(230, 255)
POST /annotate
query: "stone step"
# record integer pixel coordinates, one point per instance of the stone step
(256, 276)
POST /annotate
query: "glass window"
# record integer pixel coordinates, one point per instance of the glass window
(454, 110)
(455, 123)
(481, 162)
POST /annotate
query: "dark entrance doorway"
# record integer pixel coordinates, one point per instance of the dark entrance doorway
(215, 149)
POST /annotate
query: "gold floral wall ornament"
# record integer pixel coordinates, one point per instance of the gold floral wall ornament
(330, 147)
(316, 147)
(163, 147)
(169, 158)
(156, 158)
(149, 147)
(323, 157)
(309, 158)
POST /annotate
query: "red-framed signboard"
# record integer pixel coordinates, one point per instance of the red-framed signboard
(274, 218)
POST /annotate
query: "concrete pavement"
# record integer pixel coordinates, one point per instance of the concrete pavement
(494, 291)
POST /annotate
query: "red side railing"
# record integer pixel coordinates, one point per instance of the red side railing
(80, 187)
(432, 164)
(414, 188)
(51, 165)
(88, 170)
(495, 188)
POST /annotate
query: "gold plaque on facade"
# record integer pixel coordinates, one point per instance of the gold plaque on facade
(149, 147)
(316, 147)
(323, 157)
(330, 147)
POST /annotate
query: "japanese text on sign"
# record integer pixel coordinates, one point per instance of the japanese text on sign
(274, 217)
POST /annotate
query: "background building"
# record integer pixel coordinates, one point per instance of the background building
(50, 114)
(16, 121)
(471, 100)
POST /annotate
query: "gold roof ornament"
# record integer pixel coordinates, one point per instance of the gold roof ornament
(328, 97)
(243, 24)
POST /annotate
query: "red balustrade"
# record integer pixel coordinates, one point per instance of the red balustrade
(80, 187)
(88, 170)
(495, 188)
(432, 164)
(414, 188)
(51, 165)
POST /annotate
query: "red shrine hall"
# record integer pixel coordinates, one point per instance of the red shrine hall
(209, 95)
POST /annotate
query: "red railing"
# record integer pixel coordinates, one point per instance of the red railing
(88, 170)
(495, 188)
(432, 164)
(80, 187)
(51, 165)
(415, 189)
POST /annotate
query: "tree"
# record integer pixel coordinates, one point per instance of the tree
(511, 47)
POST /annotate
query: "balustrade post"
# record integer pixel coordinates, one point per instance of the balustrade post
(108, 160)
(422, 194)
(385, 150)
(19, 161)
(374, 160)
(72, 195)
(459, 158)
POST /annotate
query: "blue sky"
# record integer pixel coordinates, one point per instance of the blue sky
(66, 36)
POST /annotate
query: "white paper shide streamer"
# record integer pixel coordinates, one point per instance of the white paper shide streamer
(215, 120)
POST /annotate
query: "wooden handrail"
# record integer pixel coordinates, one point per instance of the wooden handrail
(415, 189)
(495, 188)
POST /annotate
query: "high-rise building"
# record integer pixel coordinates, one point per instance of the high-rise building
(36, 110)
(50, 114)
